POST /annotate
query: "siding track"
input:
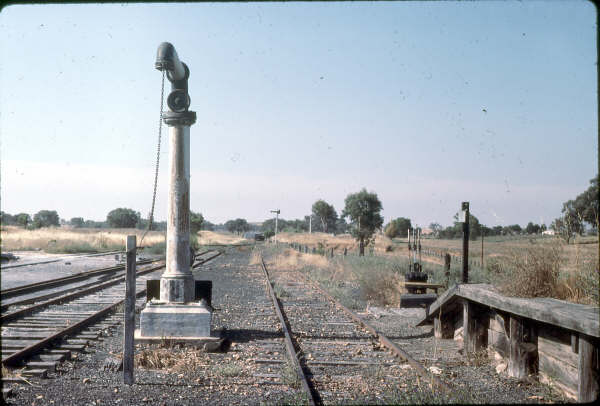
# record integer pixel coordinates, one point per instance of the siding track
(45, 333)
(337, 356)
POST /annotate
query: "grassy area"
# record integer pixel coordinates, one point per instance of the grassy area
(518, 267)
(72, 240)
(208, 238)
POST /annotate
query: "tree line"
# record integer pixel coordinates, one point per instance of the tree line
(118, 218)
(360, 217)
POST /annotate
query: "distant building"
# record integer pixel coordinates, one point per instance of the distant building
(426, 231)
(548, 232)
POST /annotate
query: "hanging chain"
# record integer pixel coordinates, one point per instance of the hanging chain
(151, 216)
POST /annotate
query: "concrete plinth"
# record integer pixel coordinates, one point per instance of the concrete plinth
(174, 320)
(179, 288)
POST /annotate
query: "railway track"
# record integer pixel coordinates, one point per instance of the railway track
(336, 356)
(39, 336)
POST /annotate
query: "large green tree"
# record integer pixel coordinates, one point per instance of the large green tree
(532, 228)
(45, 218)
(23, 219)
(326, 215)
(6, 219)
(122, 218)
(196, 222)
(398, 227)
(363, 209)
(237, 226)
(456, 230)
(586, 205)
(77, 222)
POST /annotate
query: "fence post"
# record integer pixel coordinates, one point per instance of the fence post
(129, 311)
(447, 269)
(482, 232)
(345, 251)
(465, 259)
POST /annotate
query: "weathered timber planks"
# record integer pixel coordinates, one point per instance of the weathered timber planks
(587, 383)
(549, 345)
(498, 341)
(580, 318)
(554, 371)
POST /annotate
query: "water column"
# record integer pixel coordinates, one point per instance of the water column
(177, 314)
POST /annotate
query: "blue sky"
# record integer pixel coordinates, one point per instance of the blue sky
(425, 103)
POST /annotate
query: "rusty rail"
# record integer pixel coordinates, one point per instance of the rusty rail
(289, 345)
(386, 342)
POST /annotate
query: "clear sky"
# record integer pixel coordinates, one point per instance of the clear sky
(425, 103)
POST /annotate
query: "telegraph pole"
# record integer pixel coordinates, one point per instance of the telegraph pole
(276, 218)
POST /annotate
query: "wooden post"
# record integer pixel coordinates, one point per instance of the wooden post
(482, 264)
(331, 252)
(468, 328)
(517, 363)
(475, 327)
(587, 385)
(345, 251)
(465, 258)
(128, 378)
(447, 269)
(442, 328)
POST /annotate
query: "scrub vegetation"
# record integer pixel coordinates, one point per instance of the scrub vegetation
(72, 240)
(546, 267)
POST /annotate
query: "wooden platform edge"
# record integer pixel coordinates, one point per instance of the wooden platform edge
(546, 310)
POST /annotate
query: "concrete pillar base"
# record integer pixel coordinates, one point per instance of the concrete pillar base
(177, 288)
(162, 319)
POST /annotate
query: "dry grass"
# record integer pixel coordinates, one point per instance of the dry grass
(523, 268)
(337, 242)
(502, 247)
(67, 240)
(171, 359)
(375, 276)
(532, 272)
(540, 270)
(214, 238)
(291, 260)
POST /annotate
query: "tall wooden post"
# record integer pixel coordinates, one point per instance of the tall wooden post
(129, 310)
(447, 269)
(482, 264)
(465, 252)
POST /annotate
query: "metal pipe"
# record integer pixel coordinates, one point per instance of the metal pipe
(419, 244)
(167, 59)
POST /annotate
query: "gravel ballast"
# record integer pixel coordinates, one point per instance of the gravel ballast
(244, 314)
